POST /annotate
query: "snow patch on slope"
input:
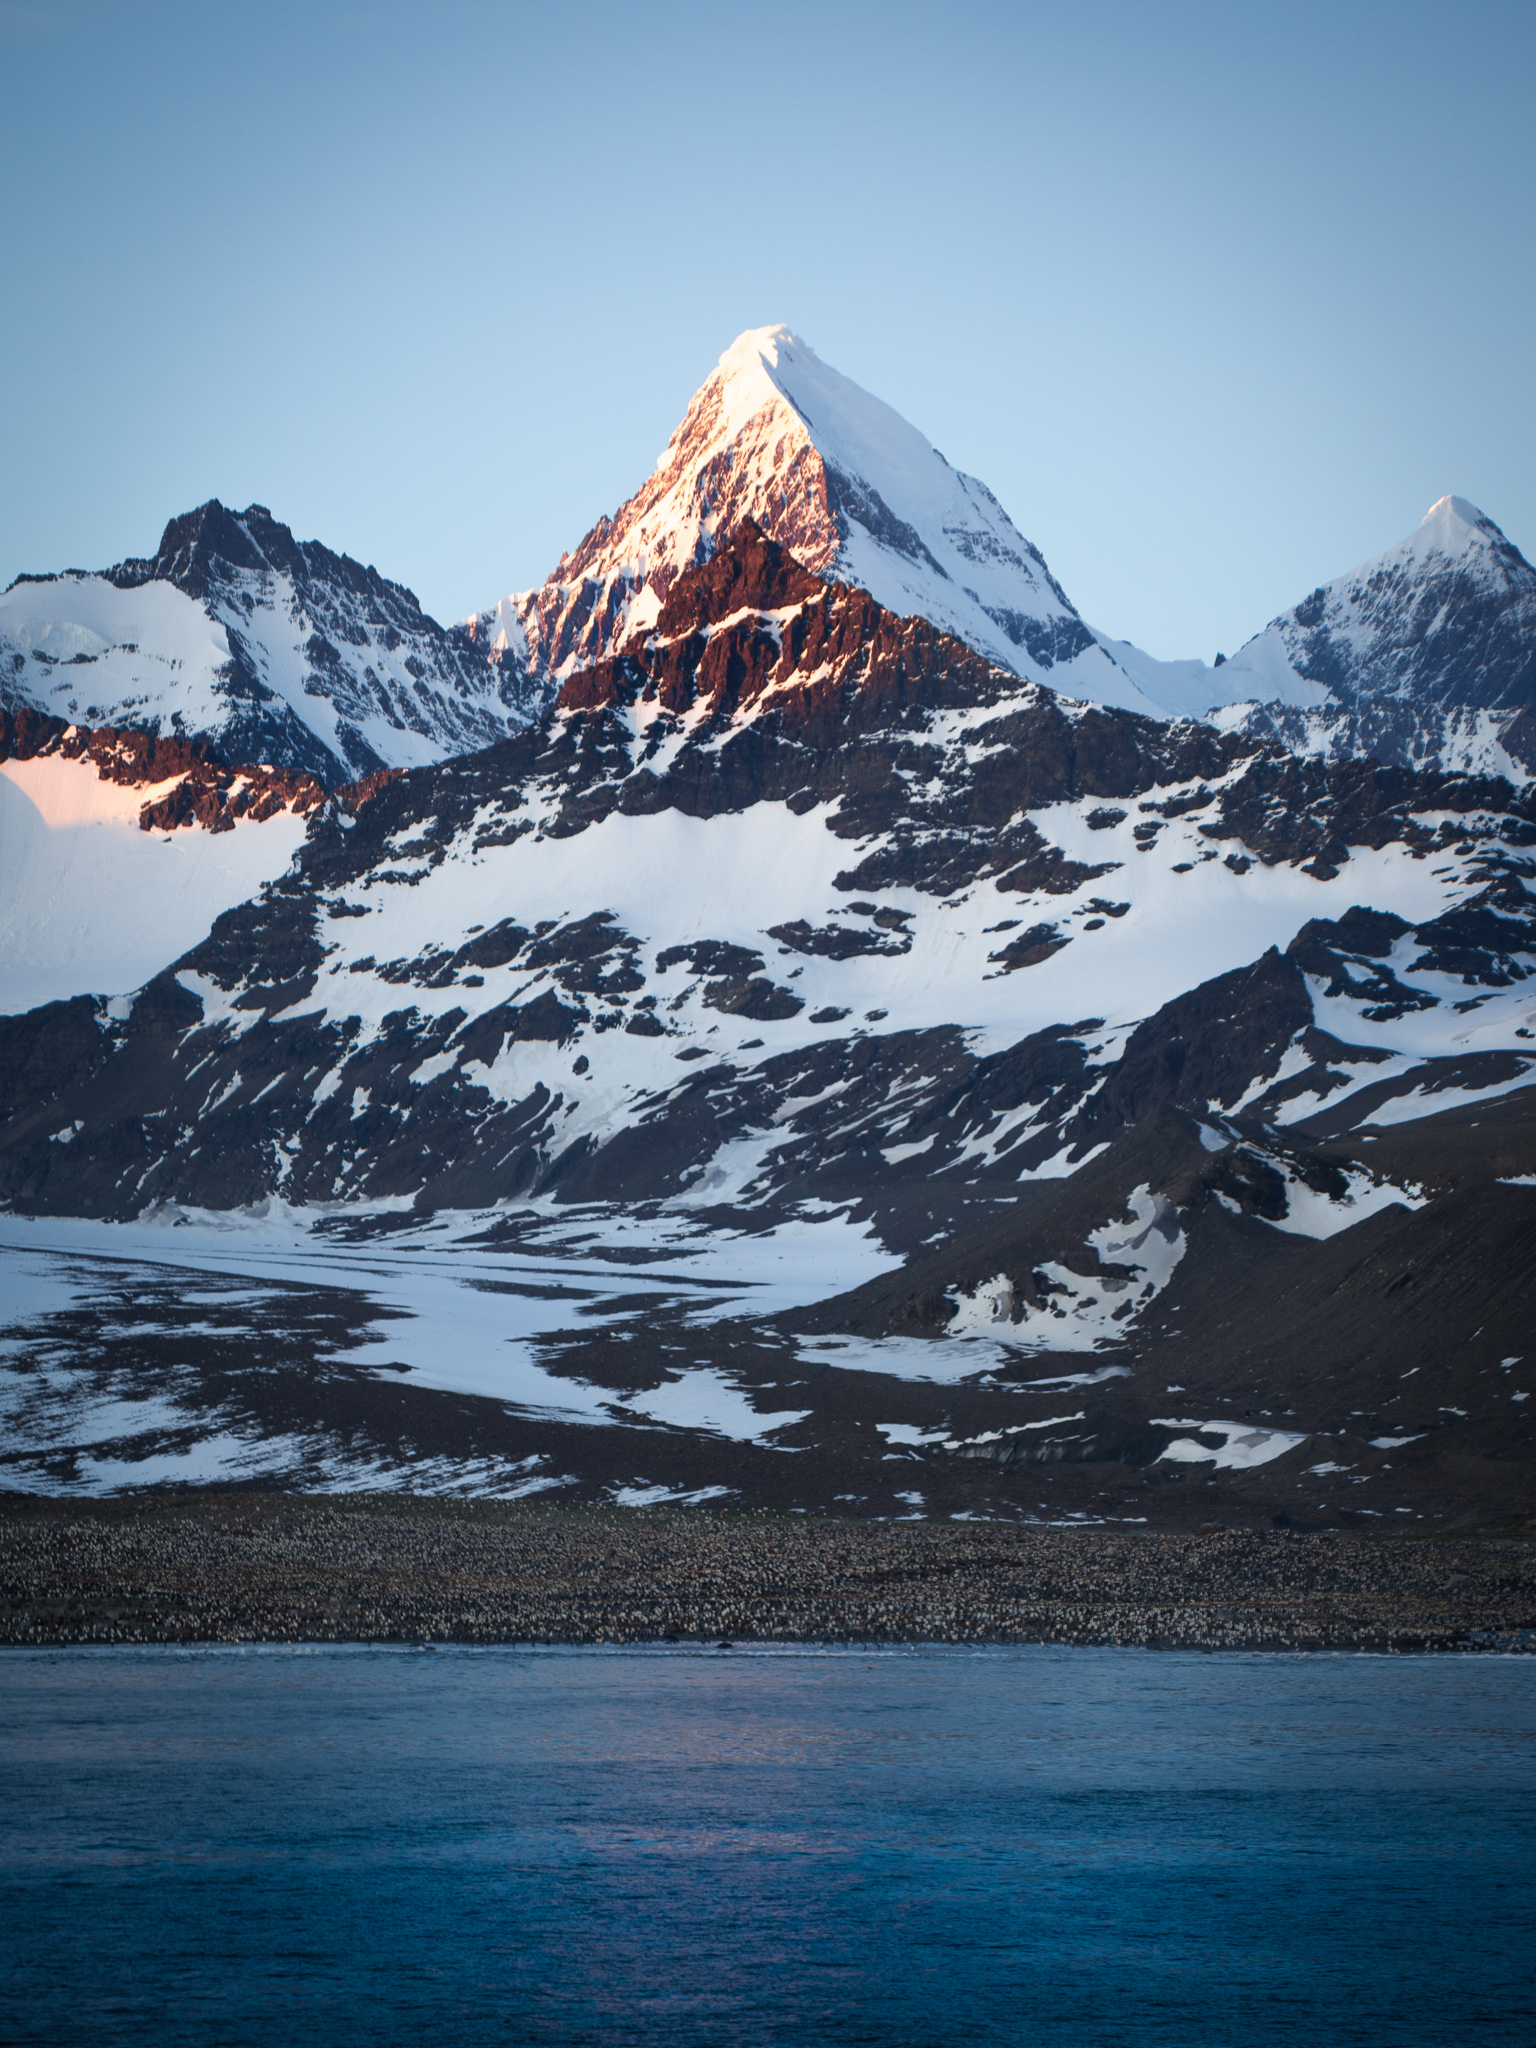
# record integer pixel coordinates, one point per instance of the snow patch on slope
(89, 904)
(134, 656)
(1084, 1311)
(1241, 1449)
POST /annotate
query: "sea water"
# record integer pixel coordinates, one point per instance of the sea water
(713, 1847)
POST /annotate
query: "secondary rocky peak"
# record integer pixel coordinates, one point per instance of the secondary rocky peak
(199, 548)
(747, 573)
(207, 553)
(269, 649)
(751, 631)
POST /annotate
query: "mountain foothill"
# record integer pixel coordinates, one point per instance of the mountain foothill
(901, 1050)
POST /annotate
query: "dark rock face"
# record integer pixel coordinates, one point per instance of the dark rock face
(1031, 947)
(1400, 732)
(1377, 1357)
(1209, 1046)
(381, 683)
(841, 942)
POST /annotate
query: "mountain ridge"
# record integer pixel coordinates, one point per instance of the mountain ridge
(919, 768)
(777, 437)
(282, 653)
(803, 1058)
(799, 946)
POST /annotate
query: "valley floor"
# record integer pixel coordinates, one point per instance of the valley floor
(248, 1567)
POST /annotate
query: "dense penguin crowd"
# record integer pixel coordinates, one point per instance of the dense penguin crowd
(252, 1568)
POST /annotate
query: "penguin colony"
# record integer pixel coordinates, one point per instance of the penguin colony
(228, 1568)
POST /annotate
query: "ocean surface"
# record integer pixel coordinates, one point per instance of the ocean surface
(750, 1846)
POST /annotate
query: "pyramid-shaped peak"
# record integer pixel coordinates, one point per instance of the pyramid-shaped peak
(849, 426)
(1449, 508)
(1445, 621)
(1451, 526)
(853, 491)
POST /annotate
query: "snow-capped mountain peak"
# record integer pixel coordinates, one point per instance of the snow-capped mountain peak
(1448, 617)
(1450, 527)
(1424, 656)
(851, 429)
(856, 493)
(270, 649)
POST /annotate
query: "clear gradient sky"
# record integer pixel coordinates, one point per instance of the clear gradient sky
(1216, 298)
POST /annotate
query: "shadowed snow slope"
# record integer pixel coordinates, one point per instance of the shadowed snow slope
(118, 849)
(89, 901)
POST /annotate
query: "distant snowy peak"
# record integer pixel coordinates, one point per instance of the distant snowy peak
(778, 437)
(1445, 619)
(270, 649)
(1424, 658)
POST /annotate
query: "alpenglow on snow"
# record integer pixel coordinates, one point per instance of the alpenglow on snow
(777, 436)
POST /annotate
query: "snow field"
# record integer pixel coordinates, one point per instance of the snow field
(660, 875)
(117, 657)
(1242, 1449)
(459, 1318)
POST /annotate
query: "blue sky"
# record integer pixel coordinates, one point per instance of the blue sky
(1217, 299)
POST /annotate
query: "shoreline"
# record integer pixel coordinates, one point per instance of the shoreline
(269, 1570)
(1515, 1642)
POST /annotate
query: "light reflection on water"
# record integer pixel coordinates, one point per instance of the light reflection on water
(765, 1846)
